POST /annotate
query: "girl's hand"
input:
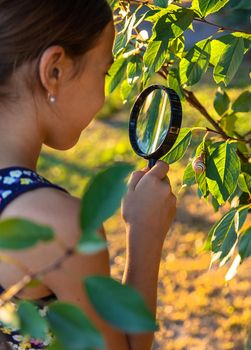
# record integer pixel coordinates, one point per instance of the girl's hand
(149, 207)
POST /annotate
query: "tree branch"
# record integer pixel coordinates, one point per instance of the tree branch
(231, 138)
(192, 99)
(221, 27)
(17, 287)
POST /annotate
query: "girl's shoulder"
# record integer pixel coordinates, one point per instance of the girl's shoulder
(48, 206)
(60, 211)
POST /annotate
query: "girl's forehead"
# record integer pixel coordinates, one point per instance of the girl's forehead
(106, 41)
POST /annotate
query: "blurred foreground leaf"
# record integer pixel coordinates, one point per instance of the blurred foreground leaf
(72, 327)
(31, 322)
(17, 233)
(102, 197)
(120, 305)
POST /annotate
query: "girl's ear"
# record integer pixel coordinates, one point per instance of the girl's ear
(52, 68)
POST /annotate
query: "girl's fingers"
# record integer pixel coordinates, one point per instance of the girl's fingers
(135, 177)
(159, 170)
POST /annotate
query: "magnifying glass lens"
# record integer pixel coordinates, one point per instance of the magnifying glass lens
(153, 121)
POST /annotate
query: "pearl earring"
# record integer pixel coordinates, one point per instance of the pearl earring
(52, 98)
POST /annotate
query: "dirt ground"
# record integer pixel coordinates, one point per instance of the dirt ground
(197, 309)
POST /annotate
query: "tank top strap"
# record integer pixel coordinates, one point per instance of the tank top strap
(17, 180)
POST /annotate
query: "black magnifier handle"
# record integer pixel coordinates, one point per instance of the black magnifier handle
(151, 162)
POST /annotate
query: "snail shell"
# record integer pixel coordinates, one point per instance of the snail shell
(199, 165)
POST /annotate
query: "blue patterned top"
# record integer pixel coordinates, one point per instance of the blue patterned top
(17, 180)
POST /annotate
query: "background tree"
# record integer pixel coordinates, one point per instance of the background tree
(152, 39)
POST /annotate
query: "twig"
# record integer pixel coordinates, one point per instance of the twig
(17, 287)
(192, 99)
(229, 137)
(221, 27)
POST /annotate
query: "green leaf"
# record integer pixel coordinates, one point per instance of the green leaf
(174, 83)
(202, 184)
(219, 45)
(244, 244)
(201, 178)
(176, 21)
(117, 72)
(72, 327)
(225, 233)
(126, 309)
(208, 244)
(242, 103)
(19, 234)
(134, 69)
(221, 102)
(179, 148)
(155, 56)
(215, 204)
(101, 198)
(189, 176)
(171, 23)
(228, 123)
(195, 63)
(153, 15)
(229, 60)
(223, 169)
(206, 7)
(157, 49)
(244, 182)
(119, 43)
(128, 92)
(31, 322)
(177, 46)
(124, 36)
(125, 90)
(129, 28)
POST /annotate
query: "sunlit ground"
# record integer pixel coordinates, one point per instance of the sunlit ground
(196, 308)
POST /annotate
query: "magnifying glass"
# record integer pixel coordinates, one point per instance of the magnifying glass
(155, 122)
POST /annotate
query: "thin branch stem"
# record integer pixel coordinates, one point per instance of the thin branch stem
(221, 27)
(229, 137)
(208, 130)
(17, 287)
(192, 99)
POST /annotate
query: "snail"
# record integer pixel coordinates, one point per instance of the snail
(199, 165)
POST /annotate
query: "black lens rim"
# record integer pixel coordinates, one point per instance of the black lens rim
(174, 126)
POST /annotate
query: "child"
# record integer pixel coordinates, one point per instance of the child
(54, 56)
